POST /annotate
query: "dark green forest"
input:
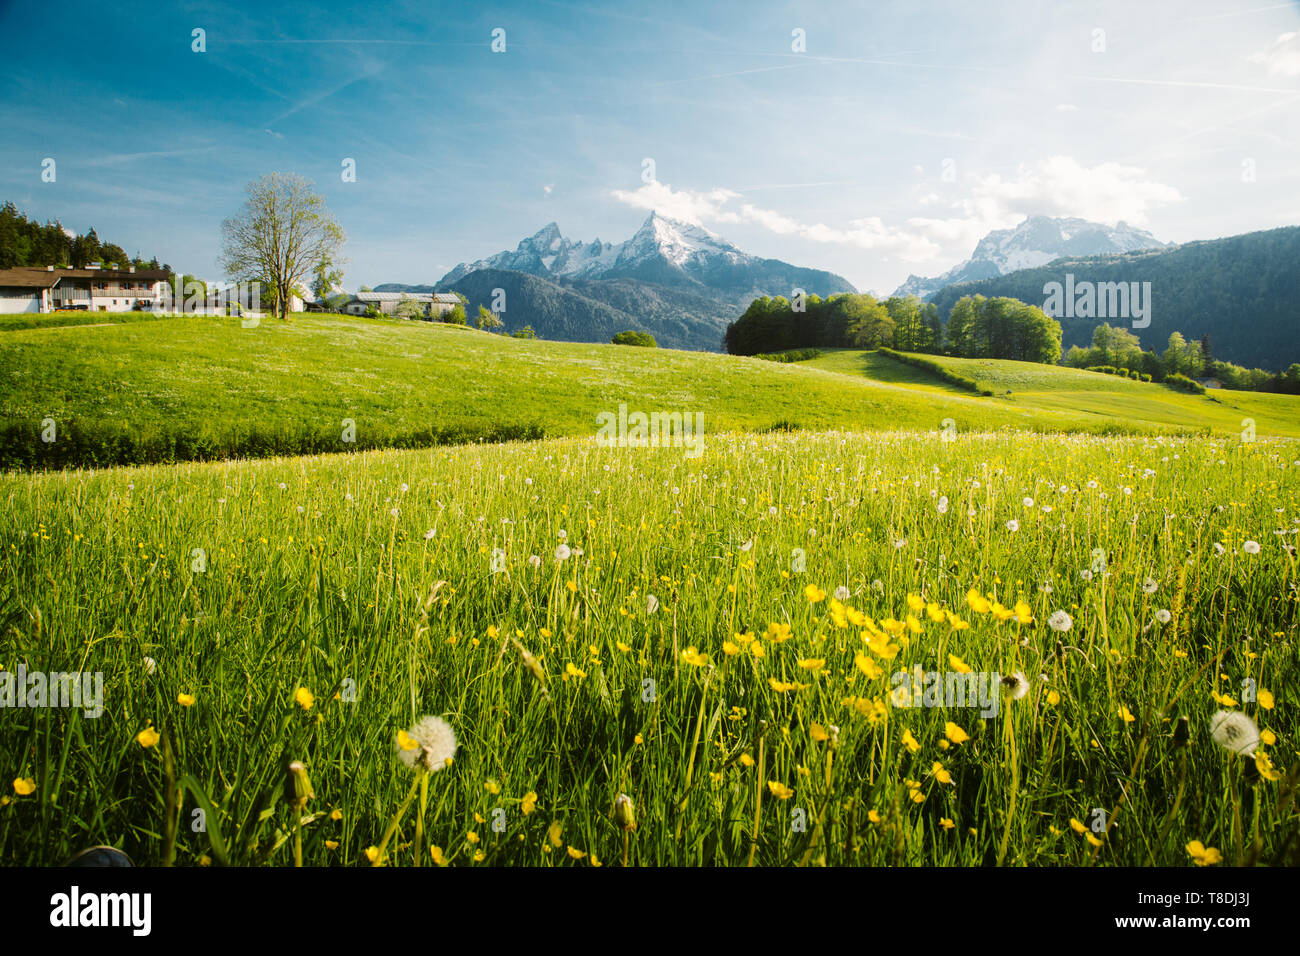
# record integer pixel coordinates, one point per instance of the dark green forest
(26, 242)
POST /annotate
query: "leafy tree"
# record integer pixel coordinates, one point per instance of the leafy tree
(455, 315)
(868, 322)
(283, 231)
(326, 276)
(408, 308)
(488, 319)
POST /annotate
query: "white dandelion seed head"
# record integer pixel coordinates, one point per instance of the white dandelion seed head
(300, 509)
(1233, 730)
(283, 486)
(1251, 547)
(878, 586)
(394, 512)
(1149, 586)
(562, 535)
(747, 545)
(562, 553)
(428, 535)
(943, 505)
(1163, 616)
(1013, 525)
(348, 496)
(1219, 550)
(1060, 621)
(1015, 685)
(405, 487)
(534, 561)
(1028, 502)
(771, 509)
(1086, 574)
(435, 744)
(841, 594)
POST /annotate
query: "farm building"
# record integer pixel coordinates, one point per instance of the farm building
(48, 288)
(432, 304)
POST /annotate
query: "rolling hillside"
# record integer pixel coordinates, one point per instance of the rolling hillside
(196, 388)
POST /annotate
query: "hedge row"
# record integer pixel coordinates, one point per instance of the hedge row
(934, 368)
(22, 446)
(793, 355)
(1184, 384)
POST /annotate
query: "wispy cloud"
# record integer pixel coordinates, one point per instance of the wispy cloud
(1282, 58)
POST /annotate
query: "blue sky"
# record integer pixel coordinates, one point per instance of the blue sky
(900, 134)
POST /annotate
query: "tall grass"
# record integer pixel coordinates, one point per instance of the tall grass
(386, 603)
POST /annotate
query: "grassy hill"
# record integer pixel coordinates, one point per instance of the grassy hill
(1092, 400)
(198, 388)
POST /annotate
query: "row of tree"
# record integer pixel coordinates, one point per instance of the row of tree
(26, 242)
(977, 328)
(848, 320)
(1120, 348)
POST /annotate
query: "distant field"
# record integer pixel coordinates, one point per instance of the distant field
(201, 388)
(151, 389)
(1092, 400)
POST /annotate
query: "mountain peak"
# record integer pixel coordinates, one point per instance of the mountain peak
(1035, 241)
(663, 251)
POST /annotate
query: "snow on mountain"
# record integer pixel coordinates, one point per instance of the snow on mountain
(1035, 242)
(663, 251)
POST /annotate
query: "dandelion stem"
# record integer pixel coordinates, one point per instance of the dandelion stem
(397, 817)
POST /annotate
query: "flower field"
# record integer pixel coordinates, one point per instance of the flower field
(643, 658)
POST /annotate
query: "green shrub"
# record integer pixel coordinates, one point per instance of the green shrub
(631, 337)
(1144, 377)
(1184, 384)
(793, 355)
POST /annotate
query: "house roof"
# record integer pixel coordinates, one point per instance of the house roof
(39, 277)
(441, 297)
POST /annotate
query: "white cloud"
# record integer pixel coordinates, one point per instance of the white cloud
(1058, 186)
(1282, 58)
(1062, 186)
(547, 188)
(723, 206)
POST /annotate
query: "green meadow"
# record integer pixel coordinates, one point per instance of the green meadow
(196, 388)
(741, 644)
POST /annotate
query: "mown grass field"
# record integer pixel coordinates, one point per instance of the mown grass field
(395, 584)
(197, 388)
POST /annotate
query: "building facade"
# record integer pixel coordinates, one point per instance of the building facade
(53, 289)
(432, 304)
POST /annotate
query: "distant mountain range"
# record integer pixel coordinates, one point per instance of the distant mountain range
(677, 281)
(1035, 242)
(1242, 291)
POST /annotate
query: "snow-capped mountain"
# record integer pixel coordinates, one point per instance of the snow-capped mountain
(1035, 242)
(663, 251)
